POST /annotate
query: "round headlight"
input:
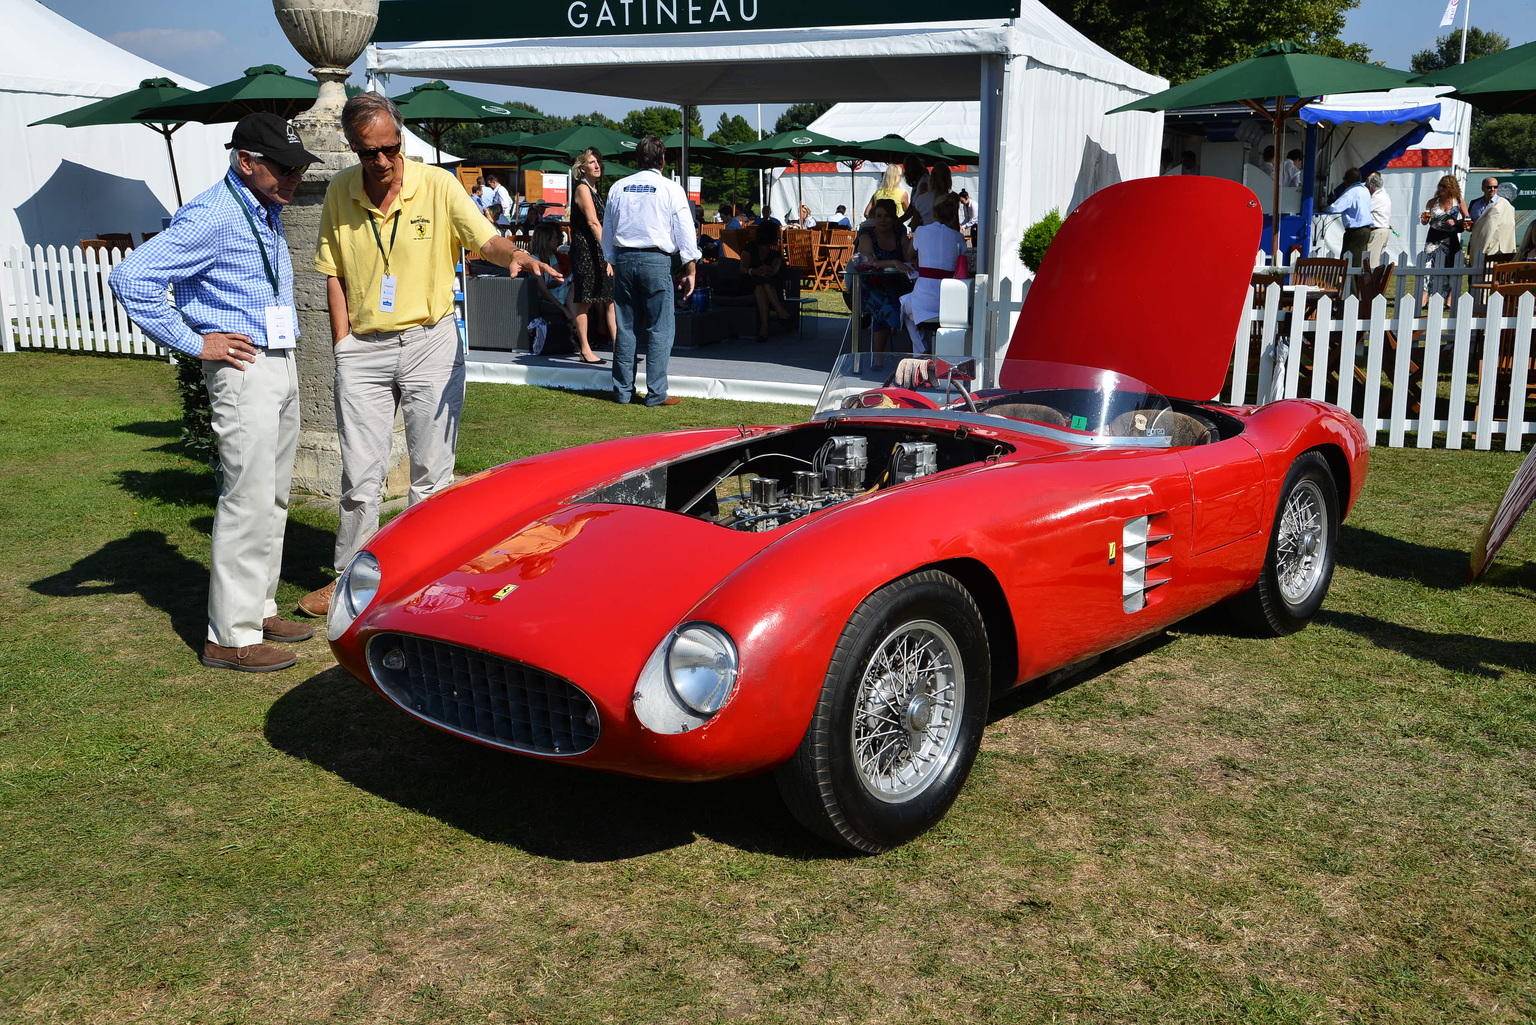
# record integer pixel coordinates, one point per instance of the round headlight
(701, 667)
(356, 588)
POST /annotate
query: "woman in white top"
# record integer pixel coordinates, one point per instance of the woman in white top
(939, 245)
(937, 183)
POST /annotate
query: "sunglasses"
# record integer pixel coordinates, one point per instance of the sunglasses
(370, 154)
(286, 170)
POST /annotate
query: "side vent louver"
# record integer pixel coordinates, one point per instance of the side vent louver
(1143, 560)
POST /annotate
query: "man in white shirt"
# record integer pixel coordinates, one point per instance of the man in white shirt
(1290, 171)
(1381, 218)
(646, 224)
(496, 194)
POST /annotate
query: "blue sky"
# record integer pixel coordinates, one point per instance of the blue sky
(214, 41)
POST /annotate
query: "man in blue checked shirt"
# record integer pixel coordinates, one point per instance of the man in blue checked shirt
(226, 259)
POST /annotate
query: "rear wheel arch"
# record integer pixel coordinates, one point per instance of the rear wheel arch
(1338, 466)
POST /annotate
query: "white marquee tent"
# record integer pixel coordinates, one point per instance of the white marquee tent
(58, 185)
(1041, 89)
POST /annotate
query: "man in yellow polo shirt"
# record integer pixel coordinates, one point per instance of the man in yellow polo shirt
(390, 233)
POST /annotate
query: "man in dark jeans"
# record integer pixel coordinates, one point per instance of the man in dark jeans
(647, 223)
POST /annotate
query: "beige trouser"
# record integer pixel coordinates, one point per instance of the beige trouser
(419, 370)
(256, 421)
(1379, 239)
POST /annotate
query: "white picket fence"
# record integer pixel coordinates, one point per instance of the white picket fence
(62, 302)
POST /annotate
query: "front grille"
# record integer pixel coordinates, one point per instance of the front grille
(492, 699)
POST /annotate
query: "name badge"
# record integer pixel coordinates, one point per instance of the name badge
(387, 294)
(280, 333)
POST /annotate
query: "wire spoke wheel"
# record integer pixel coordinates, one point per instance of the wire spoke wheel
(1299, 563)
(904, 719)
(899, 719)
(1302, 542)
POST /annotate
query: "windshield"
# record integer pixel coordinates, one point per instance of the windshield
(1075, 403)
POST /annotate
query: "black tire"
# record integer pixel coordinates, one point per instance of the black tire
(1299, 564)
(914, 764)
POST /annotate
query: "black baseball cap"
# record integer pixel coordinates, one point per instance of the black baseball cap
(272, 137)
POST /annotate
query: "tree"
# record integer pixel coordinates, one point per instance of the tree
(721, 184)
(1505, 141)
(1447, 51)
(1447, 54)
(1184, 39)
(799, 115)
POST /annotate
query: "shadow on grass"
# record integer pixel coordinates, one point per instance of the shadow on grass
(152, 428)
(545, 808)
(1460, 653)
(1396, 559)
(178, 487)
(147, 564)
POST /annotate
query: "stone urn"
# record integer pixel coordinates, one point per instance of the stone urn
(330, 34)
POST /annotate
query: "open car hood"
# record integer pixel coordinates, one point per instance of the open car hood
(1147, 278)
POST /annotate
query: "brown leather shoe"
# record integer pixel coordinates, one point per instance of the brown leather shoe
(670, 400)
(276, 628)
(318, 603)
(253, 658)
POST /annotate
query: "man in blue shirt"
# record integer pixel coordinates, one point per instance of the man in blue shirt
(1354, 205)
(225, 258)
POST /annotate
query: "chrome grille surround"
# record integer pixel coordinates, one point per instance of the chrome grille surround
(485, 697)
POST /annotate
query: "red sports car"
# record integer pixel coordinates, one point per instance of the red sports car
(838, 600)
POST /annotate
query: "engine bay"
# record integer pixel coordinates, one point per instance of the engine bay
(764, 482)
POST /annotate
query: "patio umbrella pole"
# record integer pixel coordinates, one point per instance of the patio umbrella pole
(1277, 117)
(168, 131)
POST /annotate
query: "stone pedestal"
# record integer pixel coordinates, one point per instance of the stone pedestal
(330, 34)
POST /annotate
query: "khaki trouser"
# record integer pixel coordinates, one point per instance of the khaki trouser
(420, 371)
(256, 421)
(1378, 245)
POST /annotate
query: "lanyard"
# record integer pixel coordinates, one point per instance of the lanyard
(266, 263)
(379, 240)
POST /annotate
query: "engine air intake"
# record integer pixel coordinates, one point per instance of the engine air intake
(495, 700)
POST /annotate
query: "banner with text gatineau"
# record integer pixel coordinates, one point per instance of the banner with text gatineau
(403, 21)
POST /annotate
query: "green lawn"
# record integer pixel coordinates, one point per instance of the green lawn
(1332, 827)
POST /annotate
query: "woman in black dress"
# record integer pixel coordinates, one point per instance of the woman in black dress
(594, 285)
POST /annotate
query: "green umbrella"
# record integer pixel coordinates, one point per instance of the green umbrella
(124, 108)
(890, 149)
(571, 141)
(264, 87)
(797, 143)
(733, 159)
(1283, 74)
(434, 107)
(1501, 83)
(954, 154)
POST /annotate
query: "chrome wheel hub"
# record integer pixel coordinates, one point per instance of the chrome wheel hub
(905, 722)
(1301, 545)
